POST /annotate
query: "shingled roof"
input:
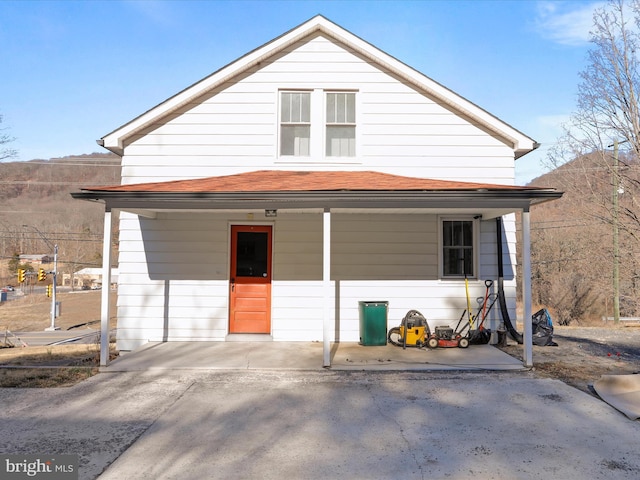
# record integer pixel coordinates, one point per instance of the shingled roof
(306, 181)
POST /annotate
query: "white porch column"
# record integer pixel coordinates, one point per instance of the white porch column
(326, 284)
(527, 340)
(106, 289)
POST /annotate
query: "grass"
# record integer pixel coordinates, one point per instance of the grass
(48, 366)
(44, 377)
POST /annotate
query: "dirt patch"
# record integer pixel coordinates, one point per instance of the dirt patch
(583, 354)
(44, 377)
(47, 355)
(50, 366)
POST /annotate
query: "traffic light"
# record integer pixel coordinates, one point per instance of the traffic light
(21, 273)
(42, 275)
(49, 289)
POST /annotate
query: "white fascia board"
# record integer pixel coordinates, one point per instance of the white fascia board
(520, 143)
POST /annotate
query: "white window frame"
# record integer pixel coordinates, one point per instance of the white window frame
(475, 225)
(318, 128)
(353, 124)
(282, 123)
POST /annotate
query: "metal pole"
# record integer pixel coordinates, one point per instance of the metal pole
(326, 284)
(54, 279)
(53, 290)
(106, 287)
(527, 338)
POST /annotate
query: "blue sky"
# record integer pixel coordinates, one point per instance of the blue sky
(73, 71)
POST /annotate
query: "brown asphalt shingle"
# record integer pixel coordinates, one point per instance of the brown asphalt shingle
(304, 181)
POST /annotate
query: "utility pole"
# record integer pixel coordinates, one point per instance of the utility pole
(616, 246)
(52, 327)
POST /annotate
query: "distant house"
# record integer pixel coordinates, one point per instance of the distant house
(313, 173)
(36, 259)
(88, 277)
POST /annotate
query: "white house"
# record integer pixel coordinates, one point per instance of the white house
(312, 173)
(89, 277)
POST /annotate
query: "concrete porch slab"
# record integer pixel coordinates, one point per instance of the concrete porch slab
(307, 356)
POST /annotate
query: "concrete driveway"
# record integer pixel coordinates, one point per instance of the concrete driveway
(323, 424)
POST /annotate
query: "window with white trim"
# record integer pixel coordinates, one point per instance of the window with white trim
(317, 123)
(295, 123)
(341, 124)
(458, 247)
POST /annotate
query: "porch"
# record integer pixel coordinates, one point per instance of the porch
(242, 197)
(308, 356)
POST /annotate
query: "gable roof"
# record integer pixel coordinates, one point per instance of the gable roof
(306, 181)
(520, 143)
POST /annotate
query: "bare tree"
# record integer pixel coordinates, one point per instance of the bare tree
(598, 157)
(608, 112)
(6, 152)
(570, 262)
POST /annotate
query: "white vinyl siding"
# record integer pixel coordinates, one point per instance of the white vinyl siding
(173, 270)
(236, 128)
(174, 284)
(174, 279)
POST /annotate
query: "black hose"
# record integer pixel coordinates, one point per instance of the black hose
(501, 298)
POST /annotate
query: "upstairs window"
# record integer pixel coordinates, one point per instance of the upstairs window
(341, 124)
(295, 123)
(457, 248)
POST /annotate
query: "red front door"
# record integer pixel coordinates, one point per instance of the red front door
(250, 279)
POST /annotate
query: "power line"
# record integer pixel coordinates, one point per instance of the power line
(98, 163)
(575, 225)
(50, 232)
(31, 182)
(58, 236)
(549, 221)
(31, 212)
(562, 260)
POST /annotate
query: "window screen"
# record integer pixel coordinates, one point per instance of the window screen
(341, 124)
(295, 126)
(457, 245)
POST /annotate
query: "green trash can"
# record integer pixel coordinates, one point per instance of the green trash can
(373, 323)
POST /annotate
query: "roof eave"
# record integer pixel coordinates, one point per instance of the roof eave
(517, 199)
